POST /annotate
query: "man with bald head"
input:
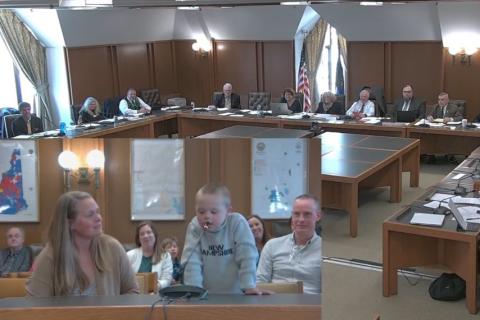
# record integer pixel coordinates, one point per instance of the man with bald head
(446, 110)
(227, 99)
(363, 107)
(15, 258)
(298, 255)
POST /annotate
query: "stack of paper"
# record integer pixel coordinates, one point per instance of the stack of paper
(428, 219)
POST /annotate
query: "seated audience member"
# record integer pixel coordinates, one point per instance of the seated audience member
(329, 104)
(408, 102)
(292, 103)
(260, 234)
(15, 258)
(150, 256)
(363, 107)
(132, 104)
(219, 253)
(90, 111)
(476, 119)
(170, 245)
(445, 110)
(227, 99)
(298, 255)
(27, 123)
(79, 259)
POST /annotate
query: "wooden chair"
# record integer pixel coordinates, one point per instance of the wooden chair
(282, 287)
(150, 281)
(12, 287)
(142, 283)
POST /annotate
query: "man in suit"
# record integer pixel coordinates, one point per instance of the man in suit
(227, 99)
(27, 123)
(408, 102)
(444, 109)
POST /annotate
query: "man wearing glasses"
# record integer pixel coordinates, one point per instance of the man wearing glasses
(410, 103)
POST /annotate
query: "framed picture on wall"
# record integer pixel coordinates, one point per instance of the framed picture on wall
(157, 179)
(19, 181)
(279, 175)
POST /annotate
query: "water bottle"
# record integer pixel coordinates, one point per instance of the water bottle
(115, 120)
(63, 128)
(259, 110)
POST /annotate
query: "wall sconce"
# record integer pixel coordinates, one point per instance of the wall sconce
(69, 162)
(464, 54)
(202, 47)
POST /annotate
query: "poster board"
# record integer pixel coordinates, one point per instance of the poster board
(157, 179)
(278, 176)
(19, 181)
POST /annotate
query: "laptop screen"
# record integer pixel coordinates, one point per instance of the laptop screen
(406, 116)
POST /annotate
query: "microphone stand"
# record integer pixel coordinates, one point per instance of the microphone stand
(424, 124)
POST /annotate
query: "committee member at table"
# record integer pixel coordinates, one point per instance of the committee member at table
(90, 111)
(329, 104)
(79, 259)
(298, 255)
(228, 99)
(363, 107)
(408, 102)
(445, 110)
(28, 123)
(292, 103)
(132, 104)
(16, 257)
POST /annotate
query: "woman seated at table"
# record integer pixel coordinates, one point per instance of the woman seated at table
(329, 104)
(90, 111)
(260, 234)
(79, 259)
(292, 103)
(149, 256)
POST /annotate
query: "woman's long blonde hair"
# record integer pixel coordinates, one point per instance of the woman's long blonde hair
(67, 274)
(87, 102)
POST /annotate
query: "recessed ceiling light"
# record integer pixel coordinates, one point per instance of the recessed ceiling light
(371, 3)
(294, 3)
(191, 8)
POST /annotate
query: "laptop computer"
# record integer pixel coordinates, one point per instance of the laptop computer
(464, 224)
(279, 108)
(406, 116)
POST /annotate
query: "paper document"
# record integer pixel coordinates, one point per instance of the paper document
(422, 121)
(427, 219)
(236, 115)
(222, 109)
(440, 196)
(470, 213)
(226, 114)
(433, 124)
(451, 123)
(293, 116)
(458, 176)
(463, 200)
(436, 204)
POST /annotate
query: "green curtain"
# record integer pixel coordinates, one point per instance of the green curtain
(30, 57)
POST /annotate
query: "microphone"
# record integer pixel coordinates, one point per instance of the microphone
(442, 210)
(424, 124)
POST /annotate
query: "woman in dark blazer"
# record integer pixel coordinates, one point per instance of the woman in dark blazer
(292, 103)
(329, 105)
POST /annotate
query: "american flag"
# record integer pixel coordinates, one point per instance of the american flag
(303, 83)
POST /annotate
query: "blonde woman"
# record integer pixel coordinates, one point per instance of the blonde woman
(79, 259)
(90, 111)
(150, 256)
(329, 104)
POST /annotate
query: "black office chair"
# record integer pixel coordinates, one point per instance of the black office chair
(74, 112)
(8, 125)
(215, 95)
(259, 98)
(111, 107)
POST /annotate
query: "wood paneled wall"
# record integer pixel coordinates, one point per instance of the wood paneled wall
(227, 161)
(173, 67)
(425, 65)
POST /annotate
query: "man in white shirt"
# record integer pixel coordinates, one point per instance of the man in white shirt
(363, 107)
(132, 104)
(298, 255)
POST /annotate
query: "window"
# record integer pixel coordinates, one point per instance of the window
(15, 86)
(326, 77)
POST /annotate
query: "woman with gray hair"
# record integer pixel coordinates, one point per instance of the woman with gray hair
(329, 104)
(90, 111)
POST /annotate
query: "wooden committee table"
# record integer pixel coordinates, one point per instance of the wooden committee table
(351, 161)
(407, 245)
(133, 307)
(256, 132)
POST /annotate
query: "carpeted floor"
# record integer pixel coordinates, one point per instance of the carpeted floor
(353, 293)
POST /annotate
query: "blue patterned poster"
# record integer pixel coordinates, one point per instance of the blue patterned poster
(18, 184)
(157, 179)
(279, 175)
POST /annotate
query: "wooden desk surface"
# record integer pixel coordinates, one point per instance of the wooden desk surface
(256, 132)
(229, 307)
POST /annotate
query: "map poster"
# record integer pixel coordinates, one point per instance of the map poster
(18, 184)
(157, 179)
(279, 175)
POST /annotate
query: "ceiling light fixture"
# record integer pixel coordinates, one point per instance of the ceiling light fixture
(371, 3)
(190, 8)
(294, 3)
